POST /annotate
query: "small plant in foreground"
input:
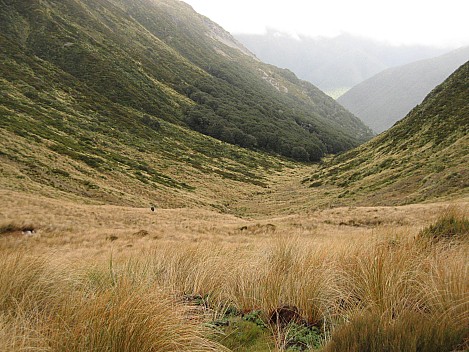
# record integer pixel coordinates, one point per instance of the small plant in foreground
(301, 337)
(255, 317)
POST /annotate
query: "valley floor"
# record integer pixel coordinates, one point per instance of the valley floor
(64, 262)
(70, 225)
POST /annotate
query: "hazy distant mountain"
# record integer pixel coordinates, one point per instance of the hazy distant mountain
(423, 156)
(387, 97)
(332, 64)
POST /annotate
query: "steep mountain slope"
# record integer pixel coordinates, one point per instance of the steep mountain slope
(333, 64)
(165, 61)
(62, 139)
(424, 156)
(387, 97)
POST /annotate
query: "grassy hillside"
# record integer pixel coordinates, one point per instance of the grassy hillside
(387, 97)
(424, 156)
(159, 60)
(61, 138)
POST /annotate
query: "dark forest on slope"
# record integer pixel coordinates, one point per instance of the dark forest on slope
(164, 62)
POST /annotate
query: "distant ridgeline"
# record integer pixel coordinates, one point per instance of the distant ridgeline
(332, 64)
(160, 60)
(387, 97)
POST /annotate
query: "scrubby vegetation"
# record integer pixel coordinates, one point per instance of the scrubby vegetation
(452, 225)
(120, 60)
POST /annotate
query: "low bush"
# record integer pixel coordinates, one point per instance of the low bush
(452, 224)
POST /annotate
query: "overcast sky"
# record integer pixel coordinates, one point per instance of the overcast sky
(443, 23)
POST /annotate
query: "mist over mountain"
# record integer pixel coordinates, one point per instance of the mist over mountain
(332, 64)
(385, 98)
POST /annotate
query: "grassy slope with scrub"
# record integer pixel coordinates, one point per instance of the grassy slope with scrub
(424, 156)
(163, 60)
(60, 137)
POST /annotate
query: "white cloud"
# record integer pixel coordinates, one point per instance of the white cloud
(431, 22)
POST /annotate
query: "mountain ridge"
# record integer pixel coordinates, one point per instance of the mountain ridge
(383, 99)
(62, 138)
(333, 64)
(72, 127)
(150, 56)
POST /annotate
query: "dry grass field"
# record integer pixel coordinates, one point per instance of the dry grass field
(286, 276)
(244, 251)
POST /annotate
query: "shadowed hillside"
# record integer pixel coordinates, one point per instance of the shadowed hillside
(424, 156)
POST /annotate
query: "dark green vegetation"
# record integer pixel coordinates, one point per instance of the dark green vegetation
(250, 332)
(243, 335)
(424, 156)
(77, 67)
(244, 332)
(387, 97)
(60, 135)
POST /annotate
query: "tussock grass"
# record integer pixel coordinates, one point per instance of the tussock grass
(124, 318)
(410, 332)
(349, 288)
(23, 280)
(392, 284)
(380, 277)
(45, 307)
(405, 299)
(286, 273)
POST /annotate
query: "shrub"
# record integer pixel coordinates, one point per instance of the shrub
(452, 224)
(151, 123)
(299, 153)
(300, 337)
